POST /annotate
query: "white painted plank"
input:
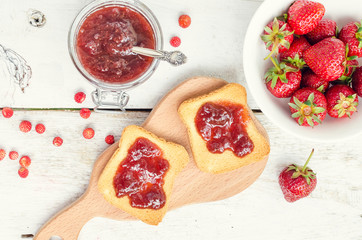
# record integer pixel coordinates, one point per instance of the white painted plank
(59, 175)
(213, 45)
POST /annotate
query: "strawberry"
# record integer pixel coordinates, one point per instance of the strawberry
(325, 28)
(357, 81)
(23, 172)
(7, 112)
(304, 16)
(184, 21)
(350, 64)
(25, 126)
(310, 79)
(88, 133)
(57, 141)
(175, 41)
(294, 54)
(283, 79)
(351, 34)
(297, 182)
(326, 58)
(40, 128)
(308, 107)
(109, 139)
(2, 154)
(25, 161)
(13, 155)
(85, 113)
(342, 101)
(79, 97)
(277, 37)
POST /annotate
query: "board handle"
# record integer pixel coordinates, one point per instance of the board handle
(68, 223)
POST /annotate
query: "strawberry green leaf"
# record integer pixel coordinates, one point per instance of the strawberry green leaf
(308, 103)
(318, 110)
(267, 29)
(309, 121)
(307, 179)
(311, 98)
(292, 105)
(316, 119)
(296, 114)
(321, 88)
(297, 102)
(301, 120)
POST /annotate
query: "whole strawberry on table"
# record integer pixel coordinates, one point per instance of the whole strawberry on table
(317, 64)
(297, 182)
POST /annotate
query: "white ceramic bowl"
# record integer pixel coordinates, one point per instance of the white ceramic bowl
(277, 110)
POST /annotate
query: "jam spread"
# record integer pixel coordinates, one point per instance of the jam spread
(140, 175)
(222, 126)
(105, 40)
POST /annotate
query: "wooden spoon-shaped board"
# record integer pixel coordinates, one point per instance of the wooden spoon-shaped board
(191, 186)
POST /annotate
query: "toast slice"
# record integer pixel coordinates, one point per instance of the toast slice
(176, 156)
(226, 161)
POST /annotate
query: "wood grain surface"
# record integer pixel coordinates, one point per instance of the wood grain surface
(191, 185)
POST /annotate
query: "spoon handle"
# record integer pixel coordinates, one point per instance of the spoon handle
(148, 52)
(176, 58)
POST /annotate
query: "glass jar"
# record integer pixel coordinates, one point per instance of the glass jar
(112, 95)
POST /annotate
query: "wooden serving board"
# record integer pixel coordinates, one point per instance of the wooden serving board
(191, 185)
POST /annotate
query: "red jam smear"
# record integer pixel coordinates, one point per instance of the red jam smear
(223, 126)
(140, 176)
(105, 40)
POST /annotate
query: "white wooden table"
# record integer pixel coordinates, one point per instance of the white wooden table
(58, 176)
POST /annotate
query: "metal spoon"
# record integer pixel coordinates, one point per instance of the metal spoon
(176, 58)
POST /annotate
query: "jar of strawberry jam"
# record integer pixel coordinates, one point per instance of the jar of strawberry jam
(100, 42)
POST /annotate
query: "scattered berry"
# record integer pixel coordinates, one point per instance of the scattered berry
(351, 34)
(40, 128)
(25, 161)
(79, 97)
(327, 58)
(7, 112)
(88, 133)
(85, 113)
(2, 154)
(325, 28)
(175, 41)
(277, 36)
(297, 182)
(294, 54)
(308, 107)
(13, 155)
(304, 16)
(23, 172)
(184, 21)
(58, 141)
(283, 79)
(25, 126)
(109, 139)
(342, 101)
(357, 81)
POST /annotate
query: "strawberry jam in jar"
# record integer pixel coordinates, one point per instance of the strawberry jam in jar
(140, 176)
(100, 44)
(223, 126)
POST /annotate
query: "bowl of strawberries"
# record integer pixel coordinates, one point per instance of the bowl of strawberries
(303, 72)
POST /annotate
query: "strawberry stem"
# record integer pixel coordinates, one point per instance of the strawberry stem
(306, 163)
(276, 65)
(275, 47)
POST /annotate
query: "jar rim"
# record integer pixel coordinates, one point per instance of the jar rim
(97, 5)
